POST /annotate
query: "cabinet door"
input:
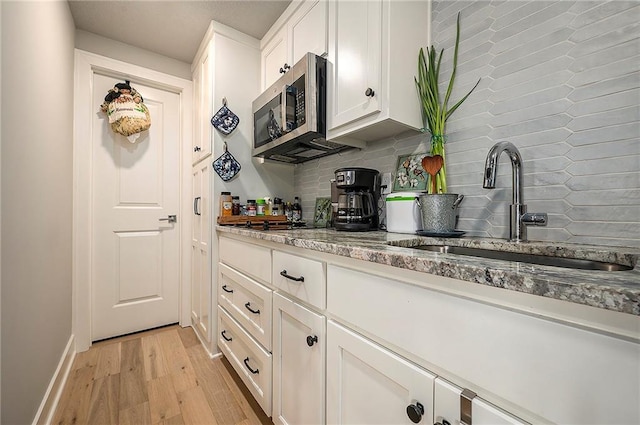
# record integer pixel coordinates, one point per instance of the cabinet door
(355, 49)
(274, 57)
(307, 31)
(200, 251)
(368, 384)
(202, 97)
(447, 407)
(298, 363)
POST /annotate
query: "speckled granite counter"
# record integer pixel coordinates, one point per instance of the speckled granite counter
(611, 290)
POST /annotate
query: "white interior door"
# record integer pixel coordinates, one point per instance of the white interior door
(135, 272)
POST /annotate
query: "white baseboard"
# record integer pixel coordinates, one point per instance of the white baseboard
(54, 391)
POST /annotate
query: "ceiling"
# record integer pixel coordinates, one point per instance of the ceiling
(172, 28)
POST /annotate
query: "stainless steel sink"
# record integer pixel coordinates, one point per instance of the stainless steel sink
(572, 263)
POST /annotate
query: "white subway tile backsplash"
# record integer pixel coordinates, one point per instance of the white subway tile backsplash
(560, 80)
(606, 150)
(605, 72)
(624, 16)
(534, 73)
(611, 198)
(605, 103)
(615, 53)
(605, 134)
(602, 42)
(605, 181)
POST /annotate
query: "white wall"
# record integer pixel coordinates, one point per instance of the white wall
(127, 53)
(36, 176)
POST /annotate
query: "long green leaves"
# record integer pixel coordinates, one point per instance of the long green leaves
(434, 112)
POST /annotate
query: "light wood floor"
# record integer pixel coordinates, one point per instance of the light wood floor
(162, 376)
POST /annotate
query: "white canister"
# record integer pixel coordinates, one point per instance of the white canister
(403, 212)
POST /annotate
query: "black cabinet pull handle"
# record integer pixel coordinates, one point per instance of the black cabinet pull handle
(312, 340)
(246, 363)
(369, 92)
(415, 412)
(283, 273)
(196, 204)
(197, 149)
(225, 337)
(225, 289)
(248, 306)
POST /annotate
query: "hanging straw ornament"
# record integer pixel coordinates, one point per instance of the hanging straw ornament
(127, 113)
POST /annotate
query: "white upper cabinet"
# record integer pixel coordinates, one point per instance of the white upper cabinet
(307, 30)
(356, 44)
(202, 106)
(373, 54)
(302, 29)
(274, 58)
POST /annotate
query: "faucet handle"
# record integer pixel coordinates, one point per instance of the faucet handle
(536, 219)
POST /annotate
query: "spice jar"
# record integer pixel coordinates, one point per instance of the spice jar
(251, 207)
(277, 206)
(260, 206)
(235, 205)
(225, 204)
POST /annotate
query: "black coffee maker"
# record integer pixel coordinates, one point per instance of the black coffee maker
(359, 192)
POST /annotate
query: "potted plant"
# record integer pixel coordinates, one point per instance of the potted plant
(435, 112)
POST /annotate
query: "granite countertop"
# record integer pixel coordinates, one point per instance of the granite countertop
(611, 290)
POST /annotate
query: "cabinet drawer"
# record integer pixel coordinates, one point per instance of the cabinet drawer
(252, 363)
(300, 277)
(248, 302)
(251, 259)
(447, 407)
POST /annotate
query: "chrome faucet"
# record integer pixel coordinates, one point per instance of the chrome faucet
(519, 218)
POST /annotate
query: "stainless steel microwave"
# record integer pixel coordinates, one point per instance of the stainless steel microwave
(290, 117)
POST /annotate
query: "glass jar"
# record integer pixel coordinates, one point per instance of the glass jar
(225, 204)
(260, 207)
(251, 207)
(235, 205)
(277, 207)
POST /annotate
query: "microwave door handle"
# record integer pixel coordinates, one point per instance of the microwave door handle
(283, 108)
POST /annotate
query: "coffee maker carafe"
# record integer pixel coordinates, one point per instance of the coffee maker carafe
(358, 199)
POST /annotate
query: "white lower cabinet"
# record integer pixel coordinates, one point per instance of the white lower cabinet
(363, 358)
(248, 358)
(368, 384)
(248, 301)
(298, 363)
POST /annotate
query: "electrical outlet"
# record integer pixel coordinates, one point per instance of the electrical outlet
(386, 184)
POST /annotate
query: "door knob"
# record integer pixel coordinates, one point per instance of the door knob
(312, 340)
(285, 68)
(172, 218)
(369, 92)
(415, 412)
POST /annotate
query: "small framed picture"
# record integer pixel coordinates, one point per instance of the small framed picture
(322, 212)
(409, 174)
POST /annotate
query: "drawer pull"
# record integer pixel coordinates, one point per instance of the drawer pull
(248, 306)
(225, 337)
(415, 412)
(283, 273)
(225, 289)
(246, 363)
(312, 340)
